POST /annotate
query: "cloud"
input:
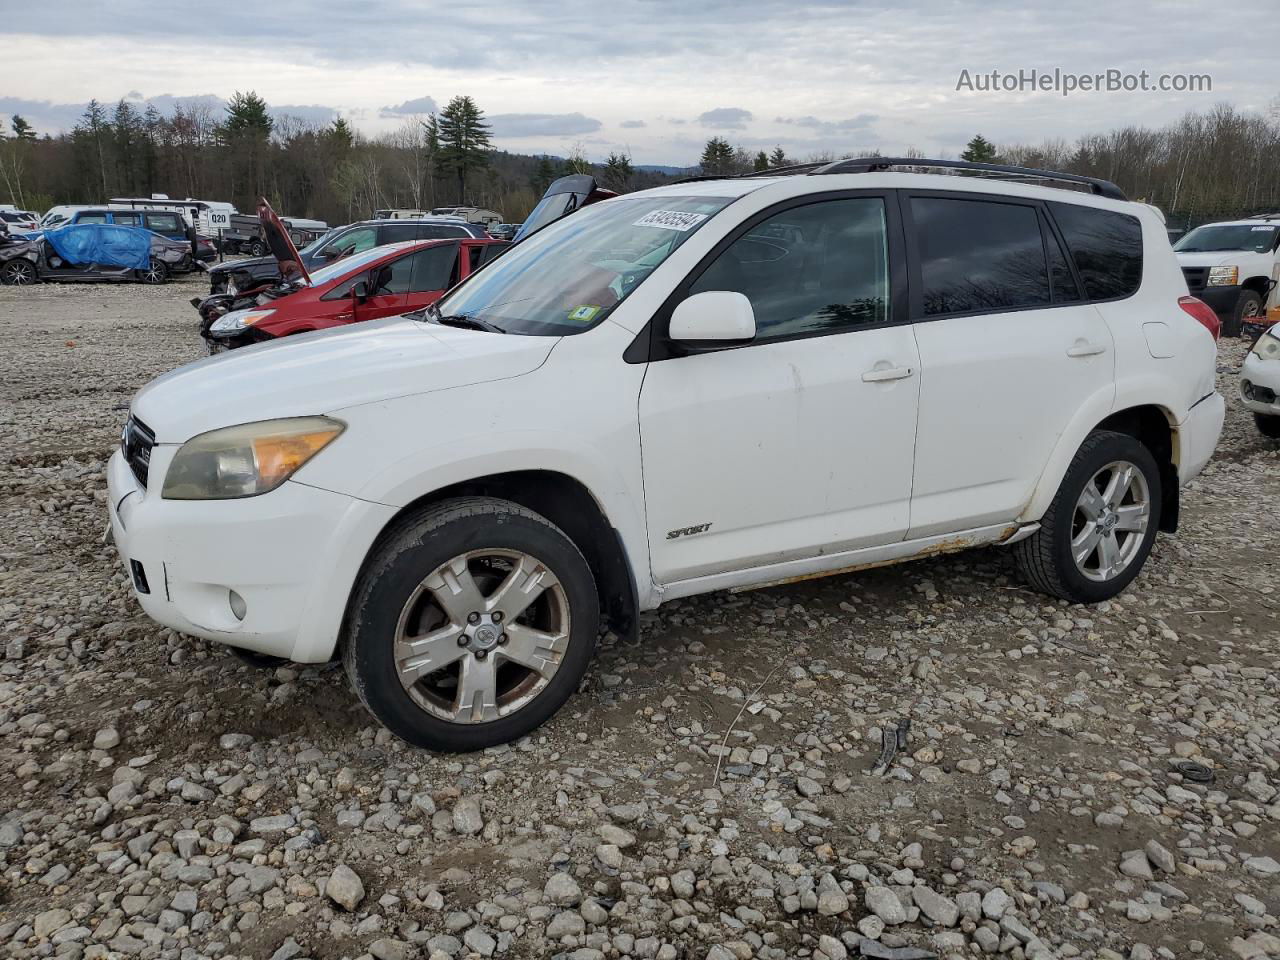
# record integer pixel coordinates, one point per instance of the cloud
(632, 124)
(542, 124)
(410, 107)
(313, 112)
(862, 121)
(726, 118)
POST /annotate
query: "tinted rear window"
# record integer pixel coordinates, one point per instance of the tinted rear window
(1106, 247)
(979, 255)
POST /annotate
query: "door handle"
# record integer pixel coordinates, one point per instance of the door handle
(1082, 348)
(883, 374)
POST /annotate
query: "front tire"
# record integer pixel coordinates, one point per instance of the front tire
(19, 273)
(257, 249)
(1248, 308)
(1098, 531)
(1268, 425)
(473, 622)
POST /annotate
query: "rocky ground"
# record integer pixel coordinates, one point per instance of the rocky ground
(706, 795)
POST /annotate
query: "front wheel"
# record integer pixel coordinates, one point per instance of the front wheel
(1098, 531)
(1268, 425)
(257, 249)
(1248, 308)
(19, 272)
(472, 624)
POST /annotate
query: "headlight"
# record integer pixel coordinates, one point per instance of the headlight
(1224, 276)
(1268, 346)
(248, 459)
(237, 320)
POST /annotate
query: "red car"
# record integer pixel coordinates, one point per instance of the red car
(381, 282)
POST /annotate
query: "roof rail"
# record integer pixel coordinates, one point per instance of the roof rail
(1264, 216)
(1102, 188)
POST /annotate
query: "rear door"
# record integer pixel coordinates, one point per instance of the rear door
(1009, 351)
(165, 223)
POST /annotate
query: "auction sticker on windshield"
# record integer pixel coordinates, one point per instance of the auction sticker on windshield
(584, 314)
(671, 220)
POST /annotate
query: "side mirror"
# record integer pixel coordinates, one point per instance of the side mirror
(360, 292)
(716, 315)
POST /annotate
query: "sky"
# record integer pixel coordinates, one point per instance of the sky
(654, 78)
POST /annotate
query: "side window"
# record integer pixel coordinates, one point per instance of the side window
(394, 277)
(433, 268)
(91, 218)
(979, 255)
(1106, 247)
(820, 267)
(125, 219)
(438, 231)
(399, 232)
(355, 241)
(1064, 284)
(163, 222)
(491, 250)
(343, 290)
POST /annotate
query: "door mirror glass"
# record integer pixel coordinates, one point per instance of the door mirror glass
(723, 315)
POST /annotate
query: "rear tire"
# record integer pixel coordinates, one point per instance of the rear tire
(442, 642)
(257, 249)
(157, 272)
(1114, 551)
(1248, 307)
(1268, 425)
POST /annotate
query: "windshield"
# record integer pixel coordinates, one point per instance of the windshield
(340, 268)
(1254, 239)
(315, 244)
(567, 278)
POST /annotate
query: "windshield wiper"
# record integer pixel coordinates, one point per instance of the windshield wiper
(467, 323)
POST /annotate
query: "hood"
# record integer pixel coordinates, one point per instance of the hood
(328, 370)
(1215, 258)
(245, 263)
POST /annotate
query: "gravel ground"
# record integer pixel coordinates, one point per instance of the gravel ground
(707, 793)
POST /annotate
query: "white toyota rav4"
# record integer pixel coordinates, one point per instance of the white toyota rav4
(718, 384)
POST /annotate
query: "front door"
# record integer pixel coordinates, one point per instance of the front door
(800, 442)
(1008, 351)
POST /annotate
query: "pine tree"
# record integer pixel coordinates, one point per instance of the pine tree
(247, 114)
(980, 150)
(717, 158)
(247, 131)
(92, 130)
(778, 158)
(543, 174)
(464, 140)
(618, 172)
(340, 133)
(761, 162)
(21, 129)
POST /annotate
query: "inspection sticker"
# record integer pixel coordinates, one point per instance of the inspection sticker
(584, 314)
(671, 220)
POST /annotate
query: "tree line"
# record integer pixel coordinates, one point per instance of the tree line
(327, 171)
(1208, 165)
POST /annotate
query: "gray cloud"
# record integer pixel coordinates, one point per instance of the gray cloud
(862, 121)
(726, 118)
(542, 124)
(632, 124)
(410, 107)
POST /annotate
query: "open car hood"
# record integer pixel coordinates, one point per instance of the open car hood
(562, 198)
(278, 240)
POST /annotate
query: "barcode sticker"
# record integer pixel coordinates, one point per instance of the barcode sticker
(671, 220)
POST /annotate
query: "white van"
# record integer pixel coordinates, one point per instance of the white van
(207, 216)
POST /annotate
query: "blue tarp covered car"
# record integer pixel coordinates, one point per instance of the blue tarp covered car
(105, 244)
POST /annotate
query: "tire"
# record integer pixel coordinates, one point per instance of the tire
(157, 272)
(1248, 306)
(256, 248)
(1268, 425)
(19, 272)
(483, 547)
(1046, 558)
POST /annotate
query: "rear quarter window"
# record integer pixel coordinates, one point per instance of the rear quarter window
(1106, 247)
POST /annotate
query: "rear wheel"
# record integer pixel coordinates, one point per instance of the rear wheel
(1268, 425)
(257, 249)
(156, 272)
(19, 272)
(1248, 308)
(473, 623)
(1098, 531)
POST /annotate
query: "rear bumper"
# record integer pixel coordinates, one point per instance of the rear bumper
(291, 556)
(1198, 436)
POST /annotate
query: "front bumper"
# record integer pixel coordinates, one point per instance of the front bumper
(1222, 300)
(291, 556)
(1198, 436)
(1260, 385)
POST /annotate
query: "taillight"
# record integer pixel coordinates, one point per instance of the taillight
(1203, 312)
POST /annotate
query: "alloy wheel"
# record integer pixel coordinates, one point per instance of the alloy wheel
(19, 273)
(482, 635)
(1110, 521)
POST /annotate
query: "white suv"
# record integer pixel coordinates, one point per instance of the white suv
(723, 383)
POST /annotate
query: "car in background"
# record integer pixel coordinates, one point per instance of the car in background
(167, 223)
(32, 259)
(240, 275)
(1260, 383)
(503, 231)
(20, 221)
(379, 282)
(1232, 266)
